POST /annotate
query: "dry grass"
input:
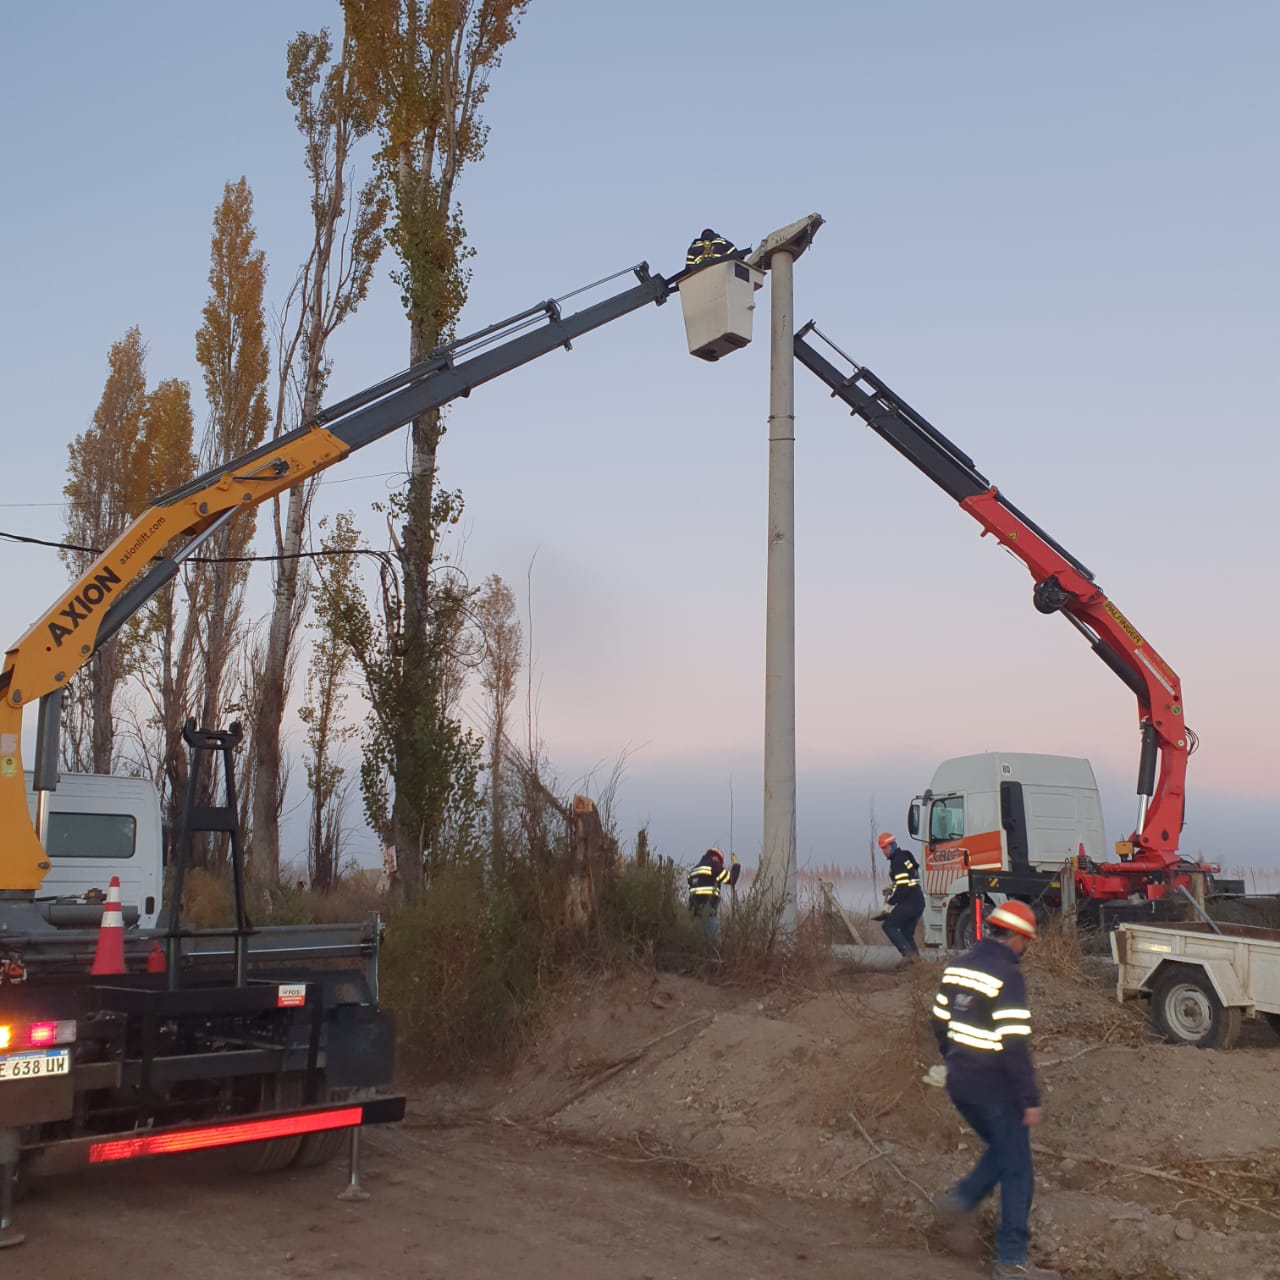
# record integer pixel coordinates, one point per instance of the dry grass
(1060, 950)
(208, 902)
(347, 900)
(757, 952)
(903, 1045)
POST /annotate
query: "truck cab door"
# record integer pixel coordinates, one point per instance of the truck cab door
(945, 853)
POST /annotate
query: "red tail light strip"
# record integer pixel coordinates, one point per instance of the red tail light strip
(223, 1135)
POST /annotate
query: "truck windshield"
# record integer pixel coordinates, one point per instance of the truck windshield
(946, 819)
(92, 835)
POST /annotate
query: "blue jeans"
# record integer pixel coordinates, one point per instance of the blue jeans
(707, 922)
(1005, 1163)
(900, 927)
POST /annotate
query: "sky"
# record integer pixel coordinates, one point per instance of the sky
(1051, 230)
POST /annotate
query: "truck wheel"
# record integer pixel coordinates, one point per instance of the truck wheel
(319, 1148)
(1274, 1020)
(964, 934)
(275, 1153)
(1185, 1009)
(267, 1157)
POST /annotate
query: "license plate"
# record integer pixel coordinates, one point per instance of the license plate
(27, 1066)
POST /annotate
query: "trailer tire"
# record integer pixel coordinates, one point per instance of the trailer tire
(1274, 1020)
(1185, 1009)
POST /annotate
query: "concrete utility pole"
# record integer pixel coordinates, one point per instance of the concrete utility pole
(777, 253)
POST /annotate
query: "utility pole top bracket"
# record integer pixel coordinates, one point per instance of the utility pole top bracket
(792, 240)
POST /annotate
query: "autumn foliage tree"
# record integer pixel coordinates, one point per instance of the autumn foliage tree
(231, 347)
(137, 445)
(167, 662)
(425, 67)
(102, 489)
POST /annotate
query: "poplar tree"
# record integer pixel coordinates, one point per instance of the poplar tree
(327, 681)
(104, 476)
(231, 348)
(167, 673)
(425, 66)
(332, 115)
(502, 637)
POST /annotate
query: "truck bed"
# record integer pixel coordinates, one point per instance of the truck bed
(70, 951)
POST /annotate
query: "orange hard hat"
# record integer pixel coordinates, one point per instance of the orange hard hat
(1015, 916)
(886, 840)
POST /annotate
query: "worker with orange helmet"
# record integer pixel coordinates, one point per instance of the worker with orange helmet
(705, 882)
(904, 899)
(983, 1027)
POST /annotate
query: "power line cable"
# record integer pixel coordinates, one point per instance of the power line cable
(295, 555)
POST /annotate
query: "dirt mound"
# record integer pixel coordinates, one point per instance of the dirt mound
(1153, 1161)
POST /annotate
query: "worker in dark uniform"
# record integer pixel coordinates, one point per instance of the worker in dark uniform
(905, 902)
(708, 247)
(705, 882)
(983, 1027)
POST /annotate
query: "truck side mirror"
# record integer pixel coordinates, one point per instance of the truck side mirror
(913, 820)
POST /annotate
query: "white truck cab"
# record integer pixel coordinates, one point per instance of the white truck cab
(101, 826)
(999, 811)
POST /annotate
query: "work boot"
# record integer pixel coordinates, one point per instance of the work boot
(956, 1225)
(947, 1206)
(1023, 1271)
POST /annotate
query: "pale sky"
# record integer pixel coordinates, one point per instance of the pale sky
(1052, 230)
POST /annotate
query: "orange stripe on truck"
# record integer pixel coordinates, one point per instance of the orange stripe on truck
(946, 862)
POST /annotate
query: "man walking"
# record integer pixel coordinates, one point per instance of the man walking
(982, 1025)
(905, 904)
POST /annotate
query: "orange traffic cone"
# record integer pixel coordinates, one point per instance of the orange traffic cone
(109, 958)
(155, 959)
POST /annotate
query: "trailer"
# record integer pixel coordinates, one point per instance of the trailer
(1200, 980)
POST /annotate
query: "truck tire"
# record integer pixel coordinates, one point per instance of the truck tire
(1274, 1020)
(1185, 1009)
(319, 1148)
(964, 934)
(275, 1153)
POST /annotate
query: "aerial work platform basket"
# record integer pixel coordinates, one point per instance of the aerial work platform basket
(718, 301)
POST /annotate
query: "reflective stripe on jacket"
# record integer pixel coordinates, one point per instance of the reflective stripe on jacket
(701, 251)
(904, 877)
(705, 880)
(983, 1027)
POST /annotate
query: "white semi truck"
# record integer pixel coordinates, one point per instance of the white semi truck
(1002, 814)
